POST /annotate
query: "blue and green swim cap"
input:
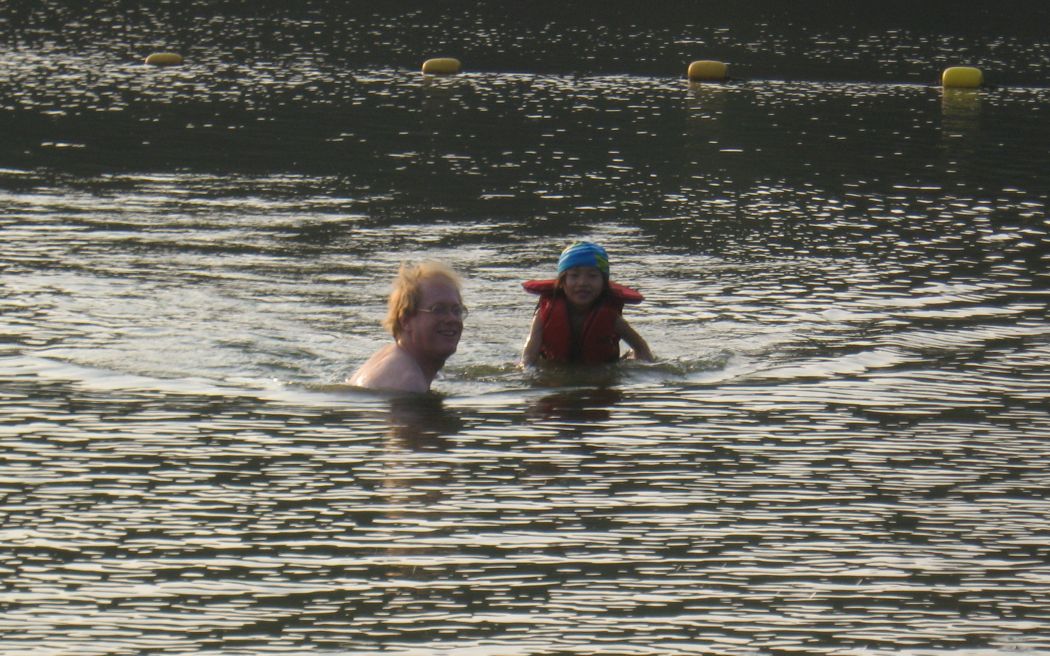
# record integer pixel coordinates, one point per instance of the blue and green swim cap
(586, 254)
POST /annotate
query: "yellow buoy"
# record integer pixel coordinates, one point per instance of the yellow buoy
(441, 66)
(706, 70)
(164, 59)
(962, 77)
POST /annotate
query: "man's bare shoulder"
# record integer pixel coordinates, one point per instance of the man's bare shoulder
(390, 368)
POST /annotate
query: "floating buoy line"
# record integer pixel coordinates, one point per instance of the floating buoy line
(701, 70)
(710, 70)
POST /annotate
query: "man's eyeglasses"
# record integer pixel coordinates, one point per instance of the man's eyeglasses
(444, 310)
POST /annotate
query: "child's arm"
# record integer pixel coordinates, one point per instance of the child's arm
(531, 353)
(634, 340)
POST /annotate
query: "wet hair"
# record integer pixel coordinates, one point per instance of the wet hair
(407, 293)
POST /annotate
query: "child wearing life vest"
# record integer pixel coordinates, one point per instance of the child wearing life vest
(579, 317)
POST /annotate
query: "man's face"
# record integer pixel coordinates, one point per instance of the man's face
(433, 331)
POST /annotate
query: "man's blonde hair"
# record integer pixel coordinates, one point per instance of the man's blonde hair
(406, 295)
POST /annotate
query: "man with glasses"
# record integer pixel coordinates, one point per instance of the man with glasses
(425, 314)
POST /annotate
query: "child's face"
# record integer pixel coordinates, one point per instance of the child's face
(583, 285)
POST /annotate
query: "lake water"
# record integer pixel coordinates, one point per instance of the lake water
(843, 448)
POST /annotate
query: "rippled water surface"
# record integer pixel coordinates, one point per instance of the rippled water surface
(842, 449)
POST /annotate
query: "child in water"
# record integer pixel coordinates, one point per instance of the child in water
(579, 318)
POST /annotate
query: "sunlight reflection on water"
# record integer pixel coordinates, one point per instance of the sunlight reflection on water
(842, 448)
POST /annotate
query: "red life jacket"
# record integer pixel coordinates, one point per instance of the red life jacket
(598, 342)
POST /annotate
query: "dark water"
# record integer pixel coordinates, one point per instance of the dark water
(843, 448)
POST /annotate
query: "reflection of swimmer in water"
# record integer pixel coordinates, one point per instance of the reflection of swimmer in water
(425, 315)
(579, 318)
(421, 422)
(415, 478)
(577, 409)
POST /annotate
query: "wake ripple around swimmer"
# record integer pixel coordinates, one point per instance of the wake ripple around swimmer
(508, 376)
